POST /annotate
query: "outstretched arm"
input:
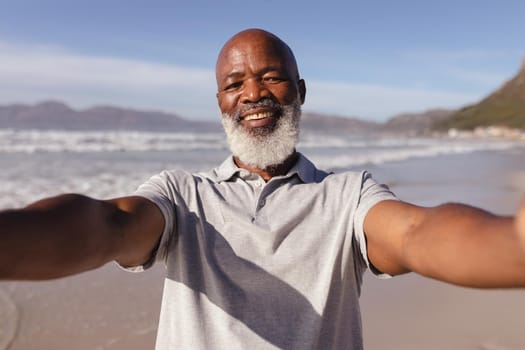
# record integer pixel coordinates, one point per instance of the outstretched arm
(68, 234)
(454, 243)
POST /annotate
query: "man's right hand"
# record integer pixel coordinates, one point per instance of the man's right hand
(71, 233)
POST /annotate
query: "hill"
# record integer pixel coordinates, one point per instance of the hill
(416, 123)
(53, 115)
(331, 123)
(57, 115)
(504, 107)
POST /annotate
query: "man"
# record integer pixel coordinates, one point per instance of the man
(265, 251)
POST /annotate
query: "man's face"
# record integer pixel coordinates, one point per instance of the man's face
(256, 77)
(260, 97)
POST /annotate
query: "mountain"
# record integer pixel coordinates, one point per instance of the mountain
(417, 123)
(504, 107)
(330, 123)
(57, 115)
(53, 115)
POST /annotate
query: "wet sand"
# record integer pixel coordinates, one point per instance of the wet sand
(115, 310)
(410, 312)
(103, 309)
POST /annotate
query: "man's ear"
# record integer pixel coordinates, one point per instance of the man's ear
(302, 90)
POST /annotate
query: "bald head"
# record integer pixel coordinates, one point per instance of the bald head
(258, 41)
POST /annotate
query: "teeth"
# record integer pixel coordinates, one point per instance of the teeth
(257, 116)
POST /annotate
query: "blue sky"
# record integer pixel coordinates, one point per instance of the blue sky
(370, 59)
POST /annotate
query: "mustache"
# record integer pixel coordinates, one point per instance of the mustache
(265, 102)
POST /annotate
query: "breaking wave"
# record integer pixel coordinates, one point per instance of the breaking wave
(32, 141)
(378, 149)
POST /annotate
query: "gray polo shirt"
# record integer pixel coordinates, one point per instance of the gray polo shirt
(256, 265)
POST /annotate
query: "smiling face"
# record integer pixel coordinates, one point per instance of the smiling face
(259, 95)
(255, 65)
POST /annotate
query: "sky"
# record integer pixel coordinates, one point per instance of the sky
(368, 59)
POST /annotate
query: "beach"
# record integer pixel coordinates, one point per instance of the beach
(112, 309)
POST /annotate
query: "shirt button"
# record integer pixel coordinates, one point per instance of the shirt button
(258, 184)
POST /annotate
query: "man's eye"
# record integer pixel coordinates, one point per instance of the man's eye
(233, 86)
(273, 79)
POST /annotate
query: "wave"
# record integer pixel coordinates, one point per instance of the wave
(311, 140)
(20, 189)
(328, 151)
(32, 141)
(106, 175)
(424, 149)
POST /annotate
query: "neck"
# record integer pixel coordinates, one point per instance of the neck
(271, 171)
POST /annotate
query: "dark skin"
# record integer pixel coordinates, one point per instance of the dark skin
(73, 233)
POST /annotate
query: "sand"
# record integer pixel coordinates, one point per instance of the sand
(410, 312)
(8, 320)
(103, 309)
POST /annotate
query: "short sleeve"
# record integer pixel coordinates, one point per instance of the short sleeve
(157, 190)
(371, 194)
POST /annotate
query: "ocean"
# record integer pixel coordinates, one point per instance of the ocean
(39, 163)
(111, 309)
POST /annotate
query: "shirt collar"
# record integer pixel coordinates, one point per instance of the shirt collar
(303, 167)
(226, 170)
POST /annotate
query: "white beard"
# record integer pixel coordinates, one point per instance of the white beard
(264, 148)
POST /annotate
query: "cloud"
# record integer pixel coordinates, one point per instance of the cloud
(30, 74)
(487, 79)
(34, 73)
(485, 68)
(459, 55)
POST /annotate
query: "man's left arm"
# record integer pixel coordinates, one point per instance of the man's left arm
(454, 243)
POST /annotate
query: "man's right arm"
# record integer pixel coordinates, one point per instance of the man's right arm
(71, 233)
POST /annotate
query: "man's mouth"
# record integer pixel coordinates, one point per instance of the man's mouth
(258, 116)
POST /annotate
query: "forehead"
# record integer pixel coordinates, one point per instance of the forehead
(255, 54)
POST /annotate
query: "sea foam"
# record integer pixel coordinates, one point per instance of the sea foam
(106, 164)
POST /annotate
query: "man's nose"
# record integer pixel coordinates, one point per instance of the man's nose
(254, 90)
